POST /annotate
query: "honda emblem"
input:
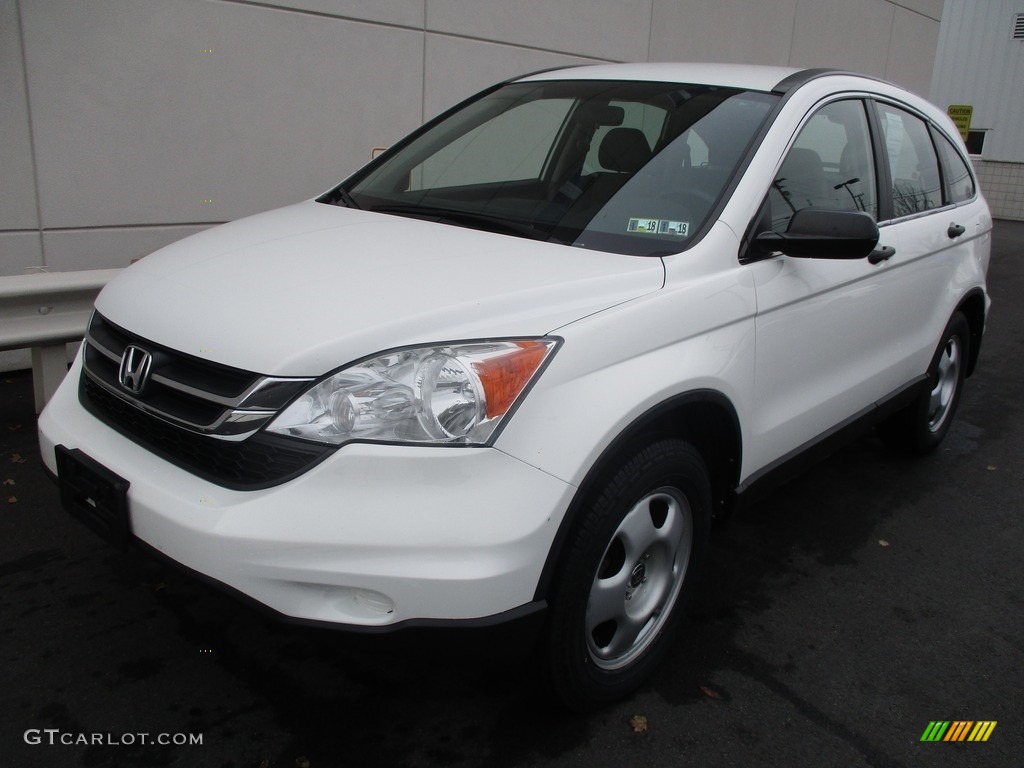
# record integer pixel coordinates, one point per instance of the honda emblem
(134, 371)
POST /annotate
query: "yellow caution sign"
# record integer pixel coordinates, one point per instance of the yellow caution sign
(961, 115)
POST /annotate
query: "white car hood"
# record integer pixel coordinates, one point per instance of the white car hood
(302, 290)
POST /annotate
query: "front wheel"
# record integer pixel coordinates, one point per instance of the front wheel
(619, 590)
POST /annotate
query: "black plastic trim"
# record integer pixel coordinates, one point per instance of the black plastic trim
(175, 445)
(640, 426)
(804, 76)
(785, 468)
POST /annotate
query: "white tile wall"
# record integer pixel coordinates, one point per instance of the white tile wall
(1003, 187)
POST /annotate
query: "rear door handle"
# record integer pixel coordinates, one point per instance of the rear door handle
(954, 231)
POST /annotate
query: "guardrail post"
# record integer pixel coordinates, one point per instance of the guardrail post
(49, 367)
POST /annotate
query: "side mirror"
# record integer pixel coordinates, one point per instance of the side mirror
(814, 233)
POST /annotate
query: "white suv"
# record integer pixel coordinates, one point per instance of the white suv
(512, 368)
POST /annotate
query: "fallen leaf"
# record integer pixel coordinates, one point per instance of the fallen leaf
(991, 468)
(12, 500)
(265, 763)
(638, 723)
(17, 458)
(8, 481)
(883, 543)
(13, 427)
(711, 693)
(301, 762)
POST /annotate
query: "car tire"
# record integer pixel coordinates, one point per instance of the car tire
(920, 427)
(625, 574)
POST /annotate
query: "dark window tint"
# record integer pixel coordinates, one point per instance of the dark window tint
(959, 181)
(625, 167)
(913, 166)
(829, 166)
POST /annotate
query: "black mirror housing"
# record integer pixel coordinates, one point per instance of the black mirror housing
(814, 233)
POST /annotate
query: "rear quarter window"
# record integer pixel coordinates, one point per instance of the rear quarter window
(959, 180)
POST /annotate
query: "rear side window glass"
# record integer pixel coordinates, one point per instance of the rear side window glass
(829, 166)
(959, 181)
(913, 165)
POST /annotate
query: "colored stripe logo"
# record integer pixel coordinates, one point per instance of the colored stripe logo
(958, 730)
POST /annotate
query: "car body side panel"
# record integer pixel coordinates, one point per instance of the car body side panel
(695, 334)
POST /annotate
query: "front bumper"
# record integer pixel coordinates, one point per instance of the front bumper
(374, 536)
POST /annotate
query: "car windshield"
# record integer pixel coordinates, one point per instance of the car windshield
(626, 167)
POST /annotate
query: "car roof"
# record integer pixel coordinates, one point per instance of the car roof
(748, 76)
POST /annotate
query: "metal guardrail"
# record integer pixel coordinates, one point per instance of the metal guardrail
(44, 312)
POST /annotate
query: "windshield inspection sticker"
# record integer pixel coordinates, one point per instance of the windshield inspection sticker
(659, 227)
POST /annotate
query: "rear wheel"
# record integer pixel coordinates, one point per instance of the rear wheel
(624, 576)
(924, 423)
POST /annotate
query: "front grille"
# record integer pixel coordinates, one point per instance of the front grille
(197, 394)
(199, 415)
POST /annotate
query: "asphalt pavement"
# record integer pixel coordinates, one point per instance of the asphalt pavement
(836, 620)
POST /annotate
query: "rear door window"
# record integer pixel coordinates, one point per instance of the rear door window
(913, 164)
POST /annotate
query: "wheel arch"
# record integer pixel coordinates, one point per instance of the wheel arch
(704, 418)
(973, 308)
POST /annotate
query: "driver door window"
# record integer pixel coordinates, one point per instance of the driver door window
(829, 166)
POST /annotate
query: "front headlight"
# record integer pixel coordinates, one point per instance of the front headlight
(443, 394)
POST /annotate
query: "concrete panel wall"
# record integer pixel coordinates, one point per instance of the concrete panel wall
(129, 123)
(180, 111)
(979, 63)
(18, 188)
(459, 67)
(612, 29)
(726, 30)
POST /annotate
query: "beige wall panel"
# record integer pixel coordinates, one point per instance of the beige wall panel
(408, 13)
(71, 250)
(930, 8)
(847, 34)
(184, 111)
(726, 30)
(19, 250)
(17, 185)
(611, 29)
(912, 51)
(458, 68)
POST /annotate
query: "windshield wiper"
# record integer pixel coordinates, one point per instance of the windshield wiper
(345, 198)
(471, 219)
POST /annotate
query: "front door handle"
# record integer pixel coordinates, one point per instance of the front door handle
(954, 231)
(879, 255)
